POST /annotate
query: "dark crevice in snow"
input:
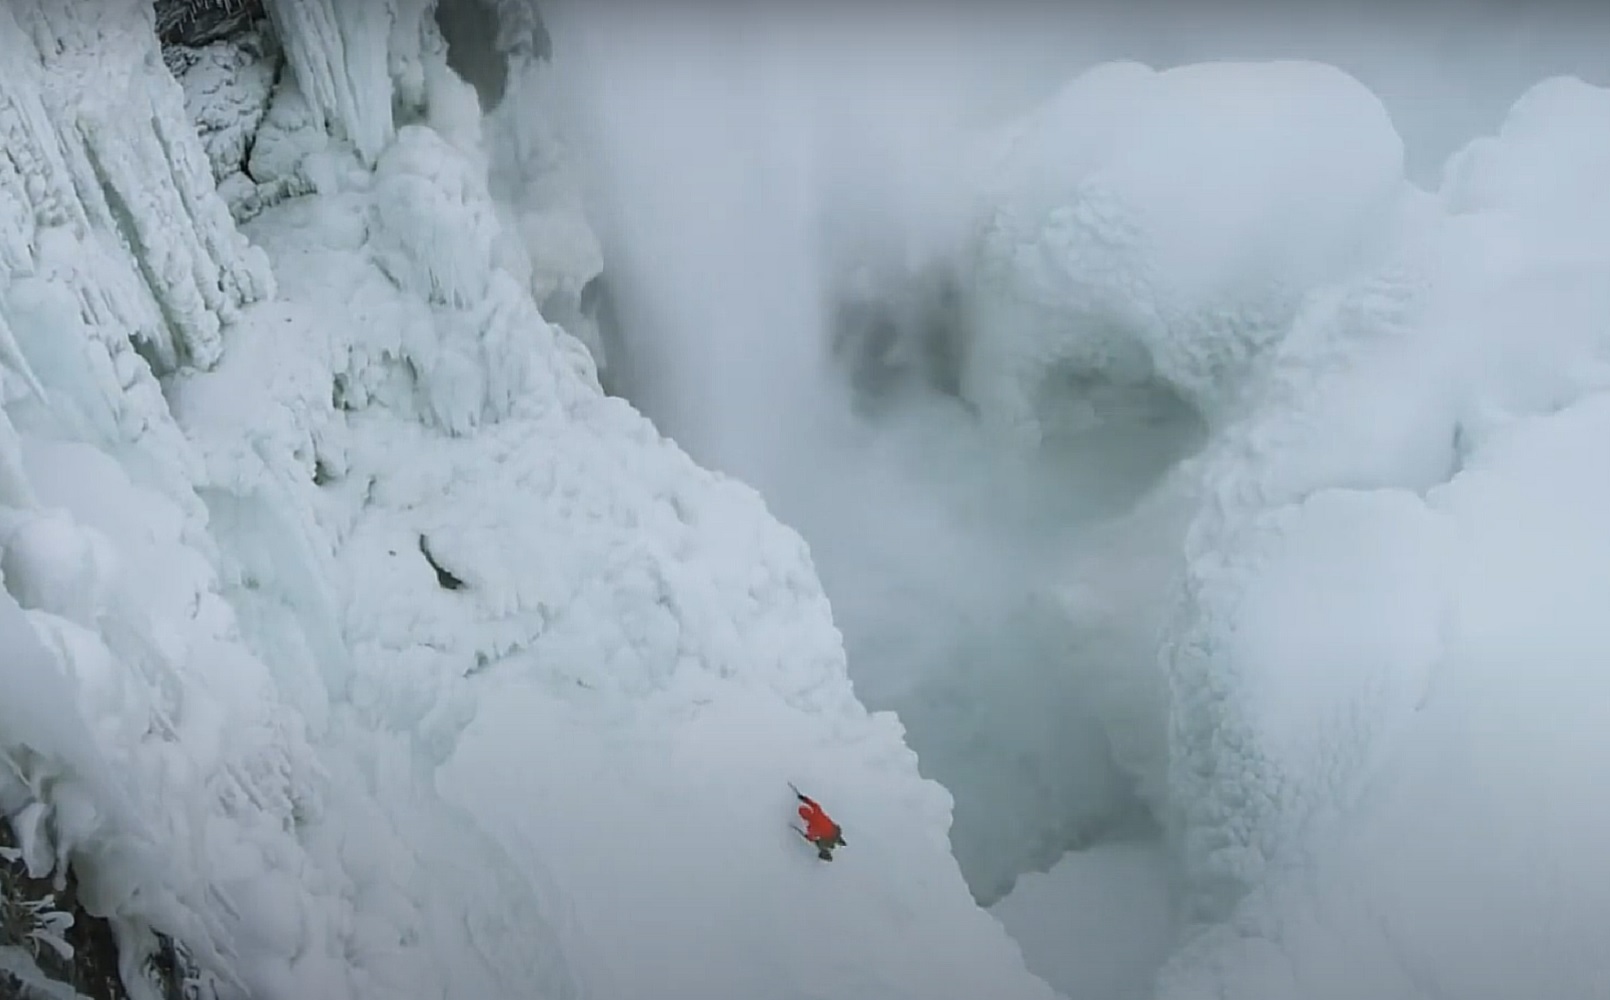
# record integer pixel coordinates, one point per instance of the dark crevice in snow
(591, 293)
(906, 334)
(341, 394)
(443, 576)
(264, 30)
(147, 351)
(1459, 451)
(165, 357)
(597, 304)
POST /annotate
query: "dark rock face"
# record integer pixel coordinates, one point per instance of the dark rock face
(197, 22)
(470, 29)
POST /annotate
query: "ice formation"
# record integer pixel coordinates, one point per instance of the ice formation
(355, 639)
(1148, 228)
(1430, 421)
(1337, 649)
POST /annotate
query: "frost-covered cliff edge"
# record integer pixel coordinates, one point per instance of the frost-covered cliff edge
(354, 639)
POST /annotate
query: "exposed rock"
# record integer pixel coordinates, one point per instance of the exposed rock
(50, 930)
(198, 22)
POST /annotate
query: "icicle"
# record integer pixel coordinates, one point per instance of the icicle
(15, 490)
(101, 143)
(33, 839)
(338, 53)
(11, 358)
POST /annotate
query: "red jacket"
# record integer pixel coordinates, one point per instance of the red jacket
(818, 824)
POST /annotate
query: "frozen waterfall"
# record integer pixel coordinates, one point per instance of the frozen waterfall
(1141, 474)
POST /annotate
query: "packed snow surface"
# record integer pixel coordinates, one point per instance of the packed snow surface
(357, 641)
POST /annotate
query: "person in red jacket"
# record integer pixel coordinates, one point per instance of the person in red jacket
(819, 829)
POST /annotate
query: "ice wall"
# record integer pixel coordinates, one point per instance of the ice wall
(378, 652)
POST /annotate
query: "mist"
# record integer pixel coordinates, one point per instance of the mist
(780, 233)
(785, 197)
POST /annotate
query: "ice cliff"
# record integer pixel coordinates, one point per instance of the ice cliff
(355, 641)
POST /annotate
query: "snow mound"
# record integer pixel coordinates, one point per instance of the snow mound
(369, 650)
(1546, 159)
(1155, 231)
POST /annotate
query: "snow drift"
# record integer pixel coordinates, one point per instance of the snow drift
(368, 649)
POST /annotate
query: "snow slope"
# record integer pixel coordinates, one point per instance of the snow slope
(378, 653)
